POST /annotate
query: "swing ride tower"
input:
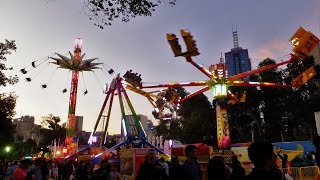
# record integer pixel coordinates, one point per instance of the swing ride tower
(76, 64)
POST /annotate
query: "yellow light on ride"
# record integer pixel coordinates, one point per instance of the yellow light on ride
(304, 77)
(303, 41)
(219, 90)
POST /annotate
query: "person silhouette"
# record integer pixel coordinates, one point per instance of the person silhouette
(284, 160)
(263, 158)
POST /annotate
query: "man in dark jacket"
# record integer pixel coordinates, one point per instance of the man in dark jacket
(264, 160)
(151, 169)
(190, 168)
(103, 171)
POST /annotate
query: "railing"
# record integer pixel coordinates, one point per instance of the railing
(298, 173)
(303, 173)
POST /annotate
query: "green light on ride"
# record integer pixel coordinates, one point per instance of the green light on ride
(219, 90)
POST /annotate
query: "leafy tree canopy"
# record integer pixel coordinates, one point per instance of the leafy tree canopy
(103, 12)
(194, 124)
(51, 129)
(7, 100)
(277, 114)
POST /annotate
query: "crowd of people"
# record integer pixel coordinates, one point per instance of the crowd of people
(190, 169)
(261, 155)
(42, 169)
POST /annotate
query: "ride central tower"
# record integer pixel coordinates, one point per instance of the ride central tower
(75, 64)
(74, 89)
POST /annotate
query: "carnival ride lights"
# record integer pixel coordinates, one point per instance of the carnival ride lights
(76, 63)
(164, 102)
(303, 41)
(132, 128)
(161, 101)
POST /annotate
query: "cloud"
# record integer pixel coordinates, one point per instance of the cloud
(274, 49)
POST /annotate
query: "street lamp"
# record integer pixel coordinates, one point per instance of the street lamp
(7, 149)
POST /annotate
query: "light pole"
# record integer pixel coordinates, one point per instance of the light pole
(7, 149)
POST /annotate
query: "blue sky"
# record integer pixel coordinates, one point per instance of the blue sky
(43, 27)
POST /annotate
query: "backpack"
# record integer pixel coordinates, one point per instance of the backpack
(30, 174)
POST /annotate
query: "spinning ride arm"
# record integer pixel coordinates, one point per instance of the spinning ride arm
(107, 121)
(202, 90)
(133, 128)
(172, 84)
(260, 84)
(200, 67)
(192, 49)
(110, 95)
(264, 68)
(143, 93)
(158, 107)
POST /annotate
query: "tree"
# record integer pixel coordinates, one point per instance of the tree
(271, 102)
(195, 122)
(21, 149)
(103, 12)
(285, 110)
(243, 117)
(263, 114)
(52, 130)
(170, 129)
(7, 100)
(302, 102)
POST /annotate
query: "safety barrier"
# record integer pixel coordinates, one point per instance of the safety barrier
(295, 172)
(303, 173)
(309, 172)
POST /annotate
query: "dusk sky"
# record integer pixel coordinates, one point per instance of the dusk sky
(43, 27)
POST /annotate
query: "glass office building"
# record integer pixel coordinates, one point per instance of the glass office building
(237, 61)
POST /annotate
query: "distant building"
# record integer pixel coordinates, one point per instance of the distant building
(24, 127)
(147, 125)
(145, 122)
(237, 60)
(316, 54)
(79, 123)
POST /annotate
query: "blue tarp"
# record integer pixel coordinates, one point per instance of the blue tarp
(307, 145)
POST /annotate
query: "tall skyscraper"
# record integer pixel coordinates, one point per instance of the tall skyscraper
(237, 60)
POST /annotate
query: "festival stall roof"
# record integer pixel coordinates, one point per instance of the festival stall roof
(293, 145)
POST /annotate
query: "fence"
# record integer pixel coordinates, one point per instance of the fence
(303, 173)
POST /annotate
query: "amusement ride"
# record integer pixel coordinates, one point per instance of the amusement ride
(134, 133)
(303, 42)
(166, 101)
(76, 63)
